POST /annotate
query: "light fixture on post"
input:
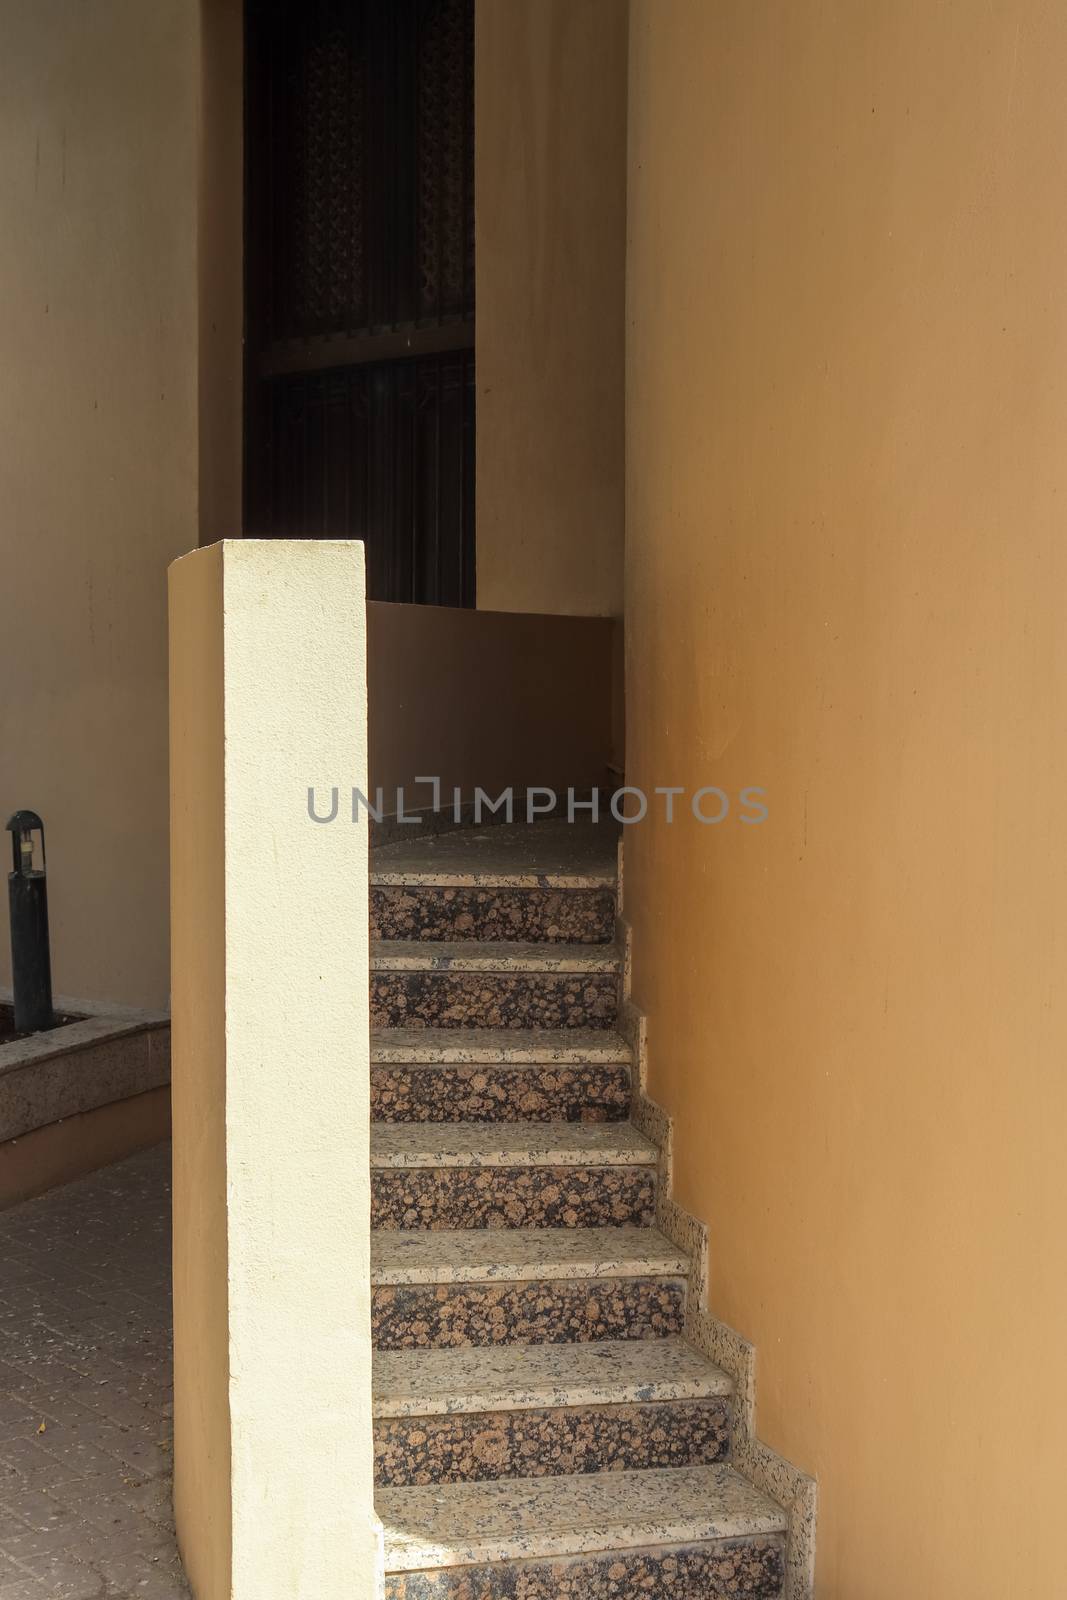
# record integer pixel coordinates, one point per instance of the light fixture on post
(31, 963)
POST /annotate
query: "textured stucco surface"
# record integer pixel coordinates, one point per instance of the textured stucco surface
(271, 1074)
(847, 397)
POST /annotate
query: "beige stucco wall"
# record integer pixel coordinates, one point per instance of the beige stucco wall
(98, 470)
(550, 209)
(846, 578)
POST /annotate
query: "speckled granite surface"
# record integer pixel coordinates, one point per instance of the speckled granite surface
(441, 1382)
(429, 912)
(424, 1316)
(733, 1569)
(474, 955)
(493, 1046)
(540, 1427)
(469, 1447)
(478, 1144)
(514, 1197)
(499, 1092)
(509, 1519)
(522, 1255)
(493, 1000)
(550, 855)
(93, 1061)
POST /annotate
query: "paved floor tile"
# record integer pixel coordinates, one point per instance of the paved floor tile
(85, 1390)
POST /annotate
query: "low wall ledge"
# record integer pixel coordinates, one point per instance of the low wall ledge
(106, 1054)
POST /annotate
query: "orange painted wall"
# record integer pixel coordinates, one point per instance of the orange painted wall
(846, 581)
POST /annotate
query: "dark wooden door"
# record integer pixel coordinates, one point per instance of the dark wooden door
(359, 282)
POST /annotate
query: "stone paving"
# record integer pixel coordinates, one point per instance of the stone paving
(85, 1390)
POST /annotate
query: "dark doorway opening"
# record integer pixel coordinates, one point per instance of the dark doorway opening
(359, 285)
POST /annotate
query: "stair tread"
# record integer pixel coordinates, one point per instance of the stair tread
(508, 1519)
(387, 875)
(490, 955)
(499, 1046)
(508, 1144)
(549, 855)
(519, 1255)
(523, 1377)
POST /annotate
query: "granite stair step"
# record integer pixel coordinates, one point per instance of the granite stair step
(522, 1255)
(416, 909)
(465, 984)
(396, 1146)
(549, 855)
(387, 871)
(498, 955)
(511, 1175)
(552, 882)
(685, 1533)
(447, 1416)
(487, 1286)
(523, 1377)
(500, 1091)
(485, 1046)
(478, 1075)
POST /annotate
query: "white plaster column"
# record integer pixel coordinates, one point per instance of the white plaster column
(273, 1450)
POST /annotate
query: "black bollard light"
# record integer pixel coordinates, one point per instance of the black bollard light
(31, 962)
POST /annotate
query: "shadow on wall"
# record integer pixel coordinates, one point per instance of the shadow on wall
(490, 698)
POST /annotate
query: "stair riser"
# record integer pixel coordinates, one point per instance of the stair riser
(412, 1093)
(508, 1197)
(493, 1000)
(431, 911)
(579, 1311)
(465, 1448)
(742, 1569)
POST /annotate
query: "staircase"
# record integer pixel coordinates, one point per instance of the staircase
(541, 1427)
